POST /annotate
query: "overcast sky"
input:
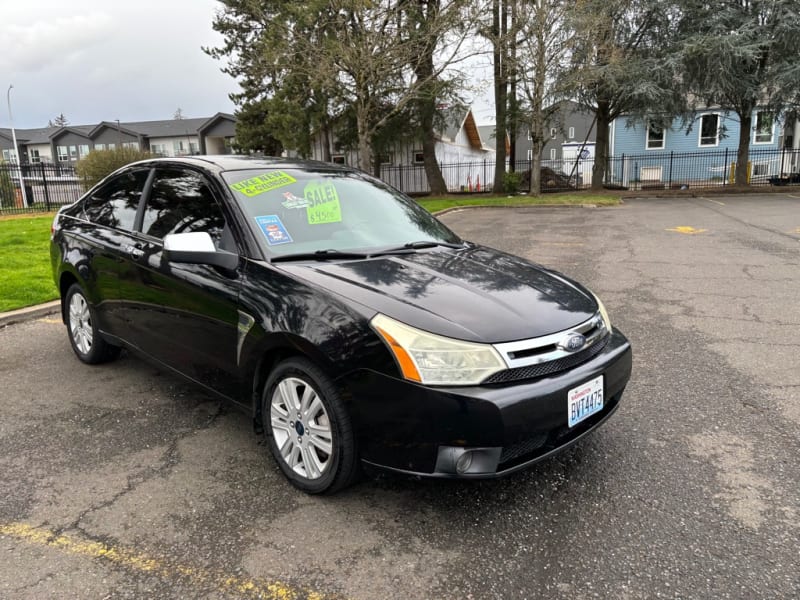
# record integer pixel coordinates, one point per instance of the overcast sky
(101, 60)
(96, 60)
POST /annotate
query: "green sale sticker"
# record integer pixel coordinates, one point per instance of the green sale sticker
(263, 183)
(324, 204)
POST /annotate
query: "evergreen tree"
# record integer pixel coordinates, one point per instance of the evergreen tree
(741, 55)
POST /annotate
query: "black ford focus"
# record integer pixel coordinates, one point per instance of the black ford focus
(352, 325)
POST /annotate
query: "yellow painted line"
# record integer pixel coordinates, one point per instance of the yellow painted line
(793, 196)
(795, 230)
(144, 563)
(687, 230)
(716, 201)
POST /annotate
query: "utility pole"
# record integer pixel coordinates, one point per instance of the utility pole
(16, 149)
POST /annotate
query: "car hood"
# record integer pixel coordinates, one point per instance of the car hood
(476, 293)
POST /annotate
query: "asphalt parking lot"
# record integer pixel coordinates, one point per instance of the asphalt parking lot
(122, 482)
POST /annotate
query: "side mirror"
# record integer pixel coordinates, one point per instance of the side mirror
(197, 248)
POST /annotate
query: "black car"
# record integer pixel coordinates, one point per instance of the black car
(352, 325)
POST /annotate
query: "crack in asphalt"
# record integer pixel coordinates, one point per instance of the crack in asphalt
(169, 459)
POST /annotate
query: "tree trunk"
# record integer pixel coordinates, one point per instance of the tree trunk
(743, 153)
(326, 143)
(601, 146)
(500, 91)
(426, 108)
(513, 105)
(364, 142)
(536, 166)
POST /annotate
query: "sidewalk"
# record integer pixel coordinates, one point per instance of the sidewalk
(29, 313)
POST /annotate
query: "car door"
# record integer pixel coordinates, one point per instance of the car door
(107, 240)
(186, 315)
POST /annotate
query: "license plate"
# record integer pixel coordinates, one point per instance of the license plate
(585, 400)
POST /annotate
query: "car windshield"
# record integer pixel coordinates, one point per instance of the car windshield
(295, 211)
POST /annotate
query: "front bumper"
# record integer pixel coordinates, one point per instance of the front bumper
(406, 427)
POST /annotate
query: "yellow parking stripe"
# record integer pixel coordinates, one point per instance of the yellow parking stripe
(134, 561)
(687, 230)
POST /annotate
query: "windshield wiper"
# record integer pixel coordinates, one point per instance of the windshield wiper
(319, 255)
(411, 246)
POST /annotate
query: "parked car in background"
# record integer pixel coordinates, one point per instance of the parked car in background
(352, 325)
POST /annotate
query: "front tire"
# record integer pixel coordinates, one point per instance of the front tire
(308, 428)
(81, 323)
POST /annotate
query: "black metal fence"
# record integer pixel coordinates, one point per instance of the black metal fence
(37, 187)
(653, 170)
(45, 187)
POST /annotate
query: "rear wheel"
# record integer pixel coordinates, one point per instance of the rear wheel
(308, 428)
(82, 329)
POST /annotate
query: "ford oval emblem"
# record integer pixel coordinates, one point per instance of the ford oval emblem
(573, 342)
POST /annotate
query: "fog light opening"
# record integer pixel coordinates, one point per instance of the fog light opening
(464, 462)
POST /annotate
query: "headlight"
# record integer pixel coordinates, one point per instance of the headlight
(436, 360)
(603, 312)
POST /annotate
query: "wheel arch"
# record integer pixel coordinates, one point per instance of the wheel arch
(289, 347)
(65, 281)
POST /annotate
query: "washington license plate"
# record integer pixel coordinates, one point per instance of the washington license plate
(585, 400)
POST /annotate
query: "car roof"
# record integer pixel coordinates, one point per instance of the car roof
(234, 162)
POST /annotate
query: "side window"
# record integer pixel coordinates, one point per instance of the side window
(115, 204)
(181, 202)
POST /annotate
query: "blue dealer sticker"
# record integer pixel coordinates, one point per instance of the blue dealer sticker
(273, 230)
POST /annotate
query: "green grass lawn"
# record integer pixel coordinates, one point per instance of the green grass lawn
(435, 204)
(25, 275)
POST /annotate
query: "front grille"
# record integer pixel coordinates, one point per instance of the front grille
(548, 368)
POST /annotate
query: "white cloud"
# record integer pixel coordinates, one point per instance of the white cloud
(107, 59)
(44, 44)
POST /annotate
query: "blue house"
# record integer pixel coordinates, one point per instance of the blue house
(648, 155)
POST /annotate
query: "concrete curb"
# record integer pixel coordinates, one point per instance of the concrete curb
(30, 313)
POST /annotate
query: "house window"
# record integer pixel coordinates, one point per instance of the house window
(655, 136)
(179, 148)
(62, 153)
(194, 148)
(386, 158)
(552, 153)
(159, 149)
(763, 127)
(111, 146)
(99, 146)
(572, 133)
(10, 155)
(419, 158)
(73, 153)
(553, 133)
(530, 154)
(709, 130)
(132, 145)
(338, 159)
(83, 150)
(34, 154)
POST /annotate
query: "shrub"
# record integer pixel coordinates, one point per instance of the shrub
(101, 163)
(511, 181)
(7, 188)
